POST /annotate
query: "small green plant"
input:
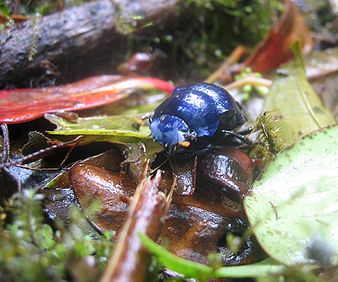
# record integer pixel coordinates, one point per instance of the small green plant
(267, 144)
(248, 89)
(30, 250)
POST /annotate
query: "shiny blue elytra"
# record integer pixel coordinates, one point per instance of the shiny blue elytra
(194, 111)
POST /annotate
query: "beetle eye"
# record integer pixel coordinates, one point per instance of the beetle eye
(151, 118)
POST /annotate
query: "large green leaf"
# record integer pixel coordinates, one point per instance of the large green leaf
(296, 106)
(293, 207)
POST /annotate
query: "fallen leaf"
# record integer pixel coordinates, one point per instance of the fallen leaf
(275, 49)
(295, 105)
(22, 105)
(118, 129)
(193, 227)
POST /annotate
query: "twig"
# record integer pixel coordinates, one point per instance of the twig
(249, 81)
(5, 158)
(236, 54)
(130, 260)
(40, 152)
(5, 144)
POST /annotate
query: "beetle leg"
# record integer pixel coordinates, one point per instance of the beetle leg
(191, 136)
(237, 135)
(148, 117)
(171, 150)
(246, 131)
(181, 154)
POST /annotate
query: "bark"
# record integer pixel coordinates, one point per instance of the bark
(68, 39)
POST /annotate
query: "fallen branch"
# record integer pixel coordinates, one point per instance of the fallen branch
(74, 38)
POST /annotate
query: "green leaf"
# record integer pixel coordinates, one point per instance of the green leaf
(293, 207)
(186, 267)
(295, 104)
(266, 267)
(121, 129)
(200, 271)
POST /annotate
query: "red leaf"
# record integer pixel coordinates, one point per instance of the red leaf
(21, 105)
(275, 49)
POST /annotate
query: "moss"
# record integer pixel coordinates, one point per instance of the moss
(30, 250)
(204, 33)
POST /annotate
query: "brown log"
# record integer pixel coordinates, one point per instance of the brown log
(76, 37)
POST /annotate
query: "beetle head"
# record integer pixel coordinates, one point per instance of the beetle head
(169, 130)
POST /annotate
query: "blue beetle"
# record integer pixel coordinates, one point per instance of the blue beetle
(193, 111)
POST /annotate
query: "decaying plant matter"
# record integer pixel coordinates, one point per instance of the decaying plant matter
(130, 261)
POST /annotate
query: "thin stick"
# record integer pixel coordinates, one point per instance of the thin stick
(249, 81)
(130, 261)
(5, 144)
(236, 54)
(42, 151)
